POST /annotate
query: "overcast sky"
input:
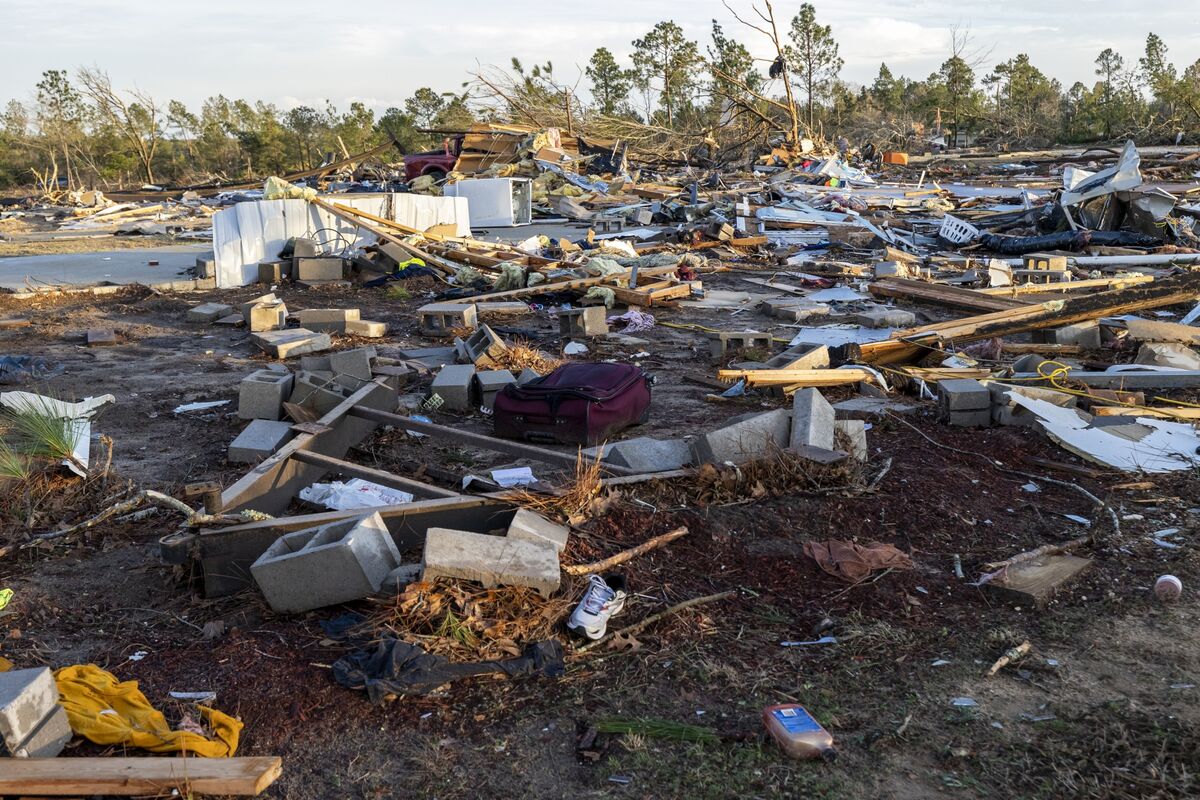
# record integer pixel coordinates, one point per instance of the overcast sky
(303, 52)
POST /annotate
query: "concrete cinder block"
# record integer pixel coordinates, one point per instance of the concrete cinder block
(963, 394)
(48, 738)
(489, 383)
(260, 439)
(291, 342)
(645, 454)
(267, 317)
(27, 696)
(1082, 334)
(440, 319)
(453, 385)
(970, 419)
(793, 310)
(588, 321)
(526, 376)
(812, 420)
(801, 356)
(851, 435)
(245, 307)
(719, 343)
(868, 407)
(235, 320)
(208, 312)
(744, 440)
(317, 391)
(352, 368)
(533, 527)
(206, 267)
(274, 272)
(490, 560)
(319, 268)
(483, 348)
(324, 566)
(331, 320)
(884, 317)
(315, 364)
(100, 337)
(261, 394)
(368, 329)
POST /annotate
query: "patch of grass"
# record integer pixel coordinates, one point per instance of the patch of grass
(658, 729)
(13, 465)
(398, 293)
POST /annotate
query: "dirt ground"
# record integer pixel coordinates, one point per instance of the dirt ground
(1104, 707)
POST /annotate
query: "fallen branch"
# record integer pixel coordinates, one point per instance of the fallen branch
(194, 518)
(1038, 552)
(629, 630)
(1011, 655)
(625, 555)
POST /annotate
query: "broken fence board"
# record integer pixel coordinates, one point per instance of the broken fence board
(1035, 582)
(156, 776)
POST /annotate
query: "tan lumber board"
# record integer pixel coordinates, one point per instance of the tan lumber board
(1175, 290)
(562, 286)
(647, 296)
(1034, 582)
(1068, 286)
(941, 294)
(796, 377)
(379, 476)
(125, 776)
(519, 449)
(1182, 413)
(271, 486)
(935, 374)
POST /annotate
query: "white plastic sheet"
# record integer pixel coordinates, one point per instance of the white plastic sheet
(251, 232)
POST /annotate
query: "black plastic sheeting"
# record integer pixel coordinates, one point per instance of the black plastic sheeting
(396, 667)
(1065, 240)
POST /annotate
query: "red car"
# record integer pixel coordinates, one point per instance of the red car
(436, 163)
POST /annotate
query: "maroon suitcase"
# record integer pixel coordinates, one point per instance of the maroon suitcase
(574, 404)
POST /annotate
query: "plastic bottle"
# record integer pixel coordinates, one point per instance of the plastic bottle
(798, 733)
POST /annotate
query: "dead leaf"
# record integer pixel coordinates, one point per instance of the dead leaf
(624, 641)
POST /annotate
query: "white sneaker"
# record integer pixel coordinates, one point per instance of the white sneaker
(604, 597)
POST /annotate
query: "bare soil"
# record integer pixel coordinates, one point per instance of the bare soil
(1104, 707)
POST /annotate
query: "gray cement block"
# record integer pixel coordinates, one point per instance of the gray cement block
(352, 368)
(851, 435)
(453, 384)
(324, 566)
(868, 407)
(320, 268)
(261, 394)
(259, 440)
(490, 560)
(645, 454)
(291, 342)
(589, 321)
(801, 356)
(267, 316)
(48, 738)
(274, 272)
(329, 320)
(533, 527)
(489, 383)
(720, 343)
(27, 696)
(368, 329)
(970, 419)
(526, 376)
(315, 364)
(744, 440)
(795, 310)
(208, 312)
(245, 307)
(439, 319)
(100, 337)
(885, 317)
(317, 392)
(483, 348)
(812, 420)
(230, 321)
(963, 394)
(1082, 334)
(400, 577)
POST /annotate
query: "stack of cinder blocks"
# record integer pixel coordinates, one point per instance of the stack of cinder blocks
(327, 565)
(441, 319)
(719, 343)
(32, 723)
(340, 320)
(965, 402)
(527, 555)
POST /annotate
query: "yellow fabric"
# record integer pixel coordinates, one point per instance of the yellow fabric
(107, 711)
(279, 189)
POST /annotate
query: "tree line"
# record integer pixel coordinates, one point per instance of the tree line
(80, 131)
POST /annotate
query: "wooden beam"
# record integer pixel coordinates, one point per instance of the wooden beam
(562, 286)
(517, 449)
(1068, 286)
(797, 377)
(941, 294)
(1033, 583)
(152, 775)
(370, 474)
(355, 217)
(1068, 311)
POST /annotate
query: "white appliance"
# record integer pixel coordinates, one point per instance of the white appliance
(496, 202)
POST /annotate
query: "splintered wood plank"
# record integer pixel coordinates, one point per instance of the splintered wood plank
(1037, 580)
(58, 777)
